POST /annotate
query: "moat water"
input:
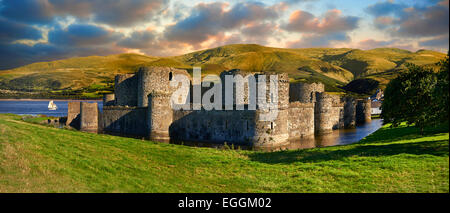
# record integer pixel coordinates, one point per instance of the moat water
(337, 137)
(37, 107)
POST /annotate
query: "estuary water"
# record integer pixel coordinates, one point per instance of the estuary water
(38, 107)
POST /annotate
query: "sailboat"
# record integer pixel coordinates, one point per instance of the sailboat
(52, 106)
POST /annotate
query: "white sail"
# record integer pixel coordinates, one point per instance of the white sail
(52, 106)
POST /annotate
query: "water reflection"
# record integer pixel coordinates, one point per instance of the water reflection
(337, 137)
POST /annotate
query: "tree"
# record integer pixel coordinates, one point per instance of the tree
(440, 93)
(409, 98)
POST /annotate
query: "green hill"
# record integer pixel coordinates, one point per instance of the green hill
(335, 67)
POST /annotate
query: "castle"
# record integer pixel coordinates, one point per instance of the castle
(140, 107)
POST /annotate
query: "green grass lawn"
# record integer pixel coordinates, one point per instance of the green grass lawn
(37, 158)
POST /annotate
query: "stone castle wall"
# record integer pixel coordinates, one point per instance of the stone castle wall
(363, 111)
(349, 112)
(304, 92)
(213, 126)
(126, 121)
(73, 114)
(125, 90)
(89, 117)
(109, 99)
(301, 120)
(159, 115)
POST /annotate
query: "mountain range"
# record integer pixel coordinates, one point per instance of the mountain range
(91, 76)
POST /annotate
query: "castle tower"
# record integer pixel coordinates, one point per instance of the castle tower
(323, 122)
(363, 111)
(125, 90)
(154, 79)
(349, 112)
(159, 116)
(304, 92)
(273, 132)
(89, 117)
(283, 89)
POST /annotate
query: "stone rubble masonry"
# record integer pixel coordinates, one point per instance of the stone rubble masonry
(124, 121)
(73, 114)
(349, 112)
(363, 111)
(160, 115)
(155, 79)
(323, 113)
(301, 120)
(125, 90)
(304, 92)
(89, 117)
(109, 99)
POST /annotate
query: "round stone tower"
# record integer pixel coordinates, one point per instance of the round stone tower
(323, 111)
(349, 112)
(272, 125)
(159, 116)
(304, 92)
(272, 133)
(154, 79)
(363, 111)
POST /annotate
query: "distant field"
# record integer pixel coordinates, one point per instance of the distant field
(90, 77)
(37, 158)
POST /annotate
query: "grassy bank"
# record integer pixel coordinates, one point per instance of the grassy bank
(36, 158)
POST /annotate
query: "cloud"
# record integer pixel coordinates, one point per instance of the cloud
(11, 31)
(211, 19)
(411, 21)
(386, 8)
(315, 40)
(331, 22)
(27, 11)
(430, 21)
(440, 42)
(114, 13)
(82, 35)
(139, 40)
(14, 55)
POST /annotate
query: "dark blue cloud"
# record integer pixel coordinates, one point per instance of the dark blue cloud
(15, 55)
(114, 13)
(386, 8)
(10, 31)
(440, 42)
(427, 19)
(28, 11)
(81, 35)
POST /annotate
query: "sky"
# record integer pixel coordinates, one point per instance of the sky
(45, 30)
